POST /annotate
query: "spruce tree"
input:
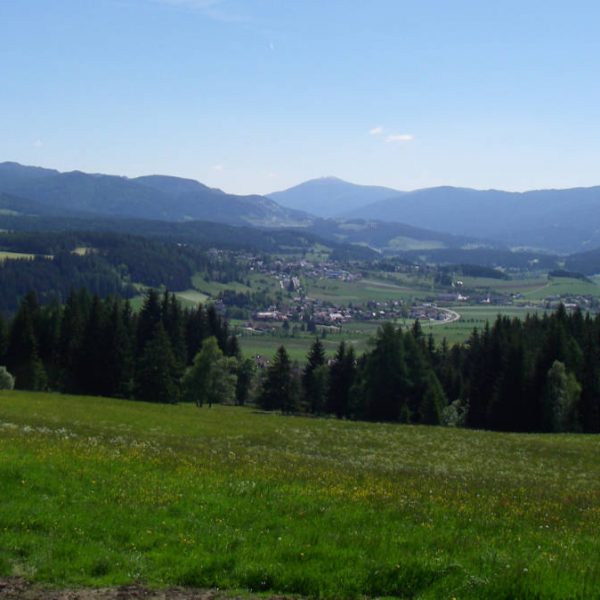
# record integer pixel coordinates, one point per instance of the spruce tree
(342, 374)
(196, 330)
(156, 372)
(3, 340)
(277, 387)
(120, 342)
(385, 378)
(149, 317)
(245, 373)
(22, 358)
(314, 379)
(72, 328)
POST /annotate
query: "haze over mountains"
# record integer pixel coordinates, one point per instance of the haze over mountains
(46, 191)
(331, 197)
(554, 220)
(563, 221)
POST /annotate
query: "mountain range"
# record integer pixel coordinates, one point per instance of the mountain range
(553, 220)
(46, 191)
(388, 220)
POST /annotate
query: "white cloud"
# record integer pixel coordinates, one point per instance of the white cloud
(219, 168)
(212, 9)
(400, 137)
(38, 144)
(376, 130)
(200, 4)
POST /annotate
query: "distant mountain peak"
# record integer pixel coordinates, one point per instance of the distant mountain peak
(330, 196)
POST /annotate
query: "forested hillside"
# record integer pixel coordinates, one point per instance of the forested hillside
(46, 191)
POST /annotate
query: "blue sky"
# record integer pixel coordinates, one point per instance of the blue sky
(257, 95)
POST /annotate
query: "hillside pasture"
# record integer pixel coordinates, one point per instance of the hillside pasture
(101, 492)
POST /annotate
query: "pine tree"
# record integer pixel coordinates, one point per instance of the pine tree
(433, 401)
(149, 317)
(173, 321)
(589, 404)
(245, 373)
(48, 334)
(3, 340)
(155, 376)
(22, 358)
(91, 370)
(119, 362)
(277, 387)
(385, 378)
(72, 328)
(342, 374)
(314, 379)
(195, 332)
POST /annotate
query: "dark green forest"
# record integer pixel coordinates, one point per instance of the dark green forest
(103, 263)
(537, 374)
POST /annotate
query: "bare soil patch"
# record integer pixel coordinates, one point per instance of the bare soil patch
(16, 588)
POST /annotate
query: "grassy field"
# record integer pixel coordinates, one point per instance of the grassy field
(299, 345)
(358, 292)
(191, 297)
(534, 288)
(358, 333)
(474, 316)
(103, 492)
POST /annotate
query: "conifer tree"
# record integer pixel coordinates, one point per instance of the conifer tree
(385, 378)
(23, 359)
(3, 340)
(149, 317)
(314, 379)
(120, 343)
(74, 318)
(156, 373)
(245, 373)
(589, 404)
(172, 316)
(277, 388)
(433, 401)
(195, 332)
(91, 372)
(342, 374)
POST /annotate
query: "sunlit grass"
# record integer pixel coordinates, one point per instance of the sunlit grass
(99, 492)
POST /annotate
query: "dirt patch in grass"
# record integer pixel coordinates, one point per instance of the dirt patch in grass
(16, 588)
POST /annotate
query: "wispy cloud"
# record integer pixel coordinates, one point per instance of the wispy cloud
(199, 4)
(210, 8)
(400, 137)
(38, 144)
(376, 130)
(218, 168)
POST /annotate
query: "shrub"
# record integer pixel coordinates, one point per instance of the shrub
(7, 381)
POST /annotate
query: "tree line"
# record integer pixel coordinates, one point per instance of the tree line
(103, 263)
(102, 347)
(541, 373)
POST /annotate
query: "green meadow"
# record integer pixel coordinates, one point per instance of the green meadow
(100, 492)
